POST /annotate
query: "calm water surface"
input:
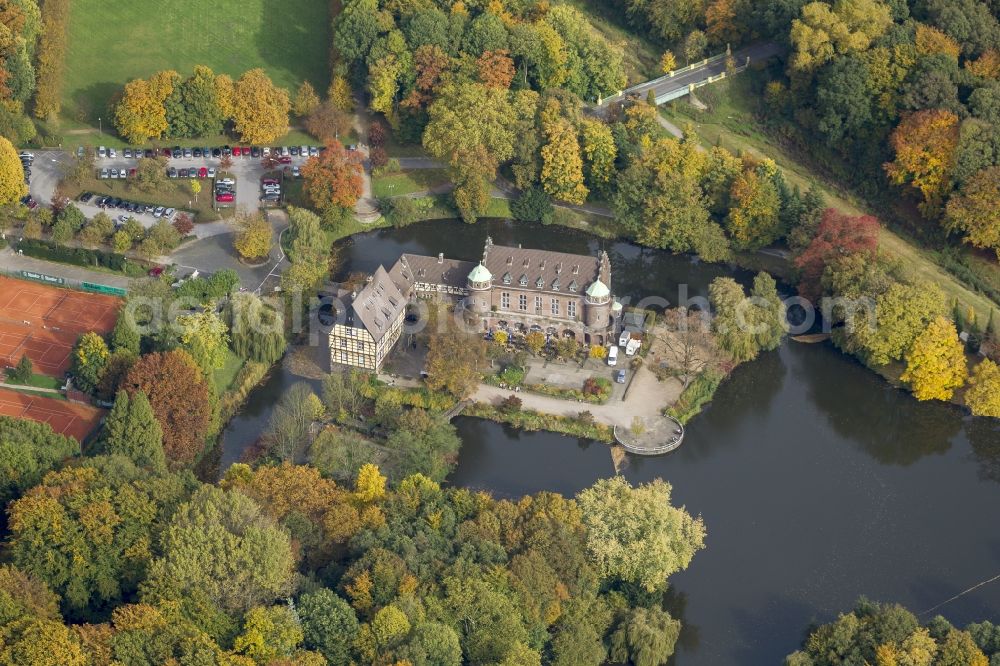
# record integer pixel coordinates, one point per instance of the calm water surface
(817, 481)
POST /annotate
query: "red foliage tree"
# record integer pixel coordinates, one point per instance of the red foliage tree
(179, 397)
(377, 134)
(183, 224)
(378, 157)
(496, 69)
(333, 178)
(838, 235)
(430, 63)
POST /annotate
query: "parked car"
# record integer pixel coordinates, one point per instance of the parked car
(304, 151)
(211, 172)
(236, 151)
(150, 153)
(193, 173)
(196, 152)
(269, 181)
(227, 151)
(168, 213)
(167, 152)
(265, 151)
(105, 173)
(227, 181)
(613, 355)
(216, 152)
(102, 151)
(295, 172)
(86, 196)
(183, 173)
(285, 159)
(187, 153)
(206, 152)
(112, 153)
(127, 153)
(131, 173)
(114, 173)
(171, 172)
(203, 172)
(313, 151)
(158, 211)
(254, 151)
(620, 376)
(293, 151)
(29, 201)
(25, 155)
(225, 198)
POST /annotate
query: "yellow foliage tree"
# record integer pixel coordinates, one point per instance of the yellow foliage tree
(370, 484)
(260, 108)
(983, 396)
(986, 66)
(253, 238)
(562, 165)
(340, 95)
(822, 30)
(935, 364)
(925, 143)
(931, 41)
(140, 115)
(668, 62)
(12, 187)
(306, 100)
(225, 91)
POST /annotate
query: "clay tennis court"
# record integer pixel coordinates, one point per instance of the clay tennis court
(44, 322)
(67, 418)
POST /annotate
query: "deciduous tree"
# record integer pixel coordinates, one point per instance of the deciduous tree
(975, 210)
(935, 364)
(753, 220)
(838, 235)
(600, 152)
(329, 625)
(29, 450)
(12, 186)
(635, 535)
(454, 359)
(260, 109)
(89, 357)
(562, 165)
(254, 236)
(180, 400)
(205, 337)
(983, 396)
(334, 178)
(925, 143)
(645, 637)
(140, 114)
(495, 69)
(306, 100)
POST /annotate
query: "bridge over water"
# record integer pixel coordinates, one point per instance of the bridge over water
(682, 81)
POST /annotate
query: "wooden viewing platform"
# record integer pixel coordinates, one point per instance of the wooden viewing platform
(664, 436)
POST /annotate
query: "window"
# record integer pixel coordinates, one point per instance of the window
(522, 302)
(555, 307)
(505, 300)
(538, 305)
(571, 308)
(523, 281)
(506, 278)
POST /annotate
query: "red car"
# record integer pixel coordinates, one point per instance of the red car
(270, 181)
(131, 173)
(166, 152)
(203, 172)
(285, 159)
(236, 151)
(225, 198)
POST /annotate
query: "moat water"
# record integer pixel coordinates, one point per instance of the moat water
(817, 481)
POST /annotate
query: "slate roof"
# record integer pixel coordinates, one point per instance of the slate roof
(433, 270)
(378, 305)
(540, 269)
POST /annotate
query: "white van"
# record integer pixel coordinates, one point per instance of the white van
(625, 337)
(613, 355)
(632, 347)
(102, 151)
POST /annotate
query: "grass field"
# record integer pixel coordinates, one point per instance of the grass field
(730, 124)
(407, 182)
(224, 376)
(113, 42)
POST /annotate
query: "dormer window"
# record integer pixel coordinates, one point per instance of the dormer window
(523, 281)
(573, 286)
(506, 278)
(555, 284)
(539, 282)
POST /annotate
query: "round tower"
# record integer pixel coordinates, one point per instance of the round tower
(597, 305)
(480, 283)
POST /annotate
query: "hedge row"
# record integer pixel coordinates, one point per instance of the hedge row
(697, 394)
(77, 256)
(421, 397)
(531, 420)
(51, 58)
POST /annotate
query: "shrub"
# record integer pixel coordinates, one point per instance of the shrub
(533, 205)
(377, 134)
(379, 158)
(510, 404)
(77, 256)
(698, 393)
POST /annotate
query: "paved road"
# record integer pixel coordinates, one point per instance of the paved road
(756, 53)
(51, 164)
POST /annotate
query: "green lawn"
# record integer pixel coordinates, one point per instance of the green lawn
(40, 381)
(730, 124)
(223, 377)
(113, 42)
(176, 193)
(407, 182)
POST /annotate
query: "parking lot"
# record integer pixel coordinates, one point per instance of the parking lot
(49, 165)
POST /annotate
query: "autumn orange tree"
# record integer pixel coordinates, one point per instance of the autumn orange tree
(179, 397)
(333, 178)
(925, 144)
(495, 68)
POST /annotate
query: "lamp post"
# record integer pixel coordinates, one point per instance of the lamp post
(100, 127)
